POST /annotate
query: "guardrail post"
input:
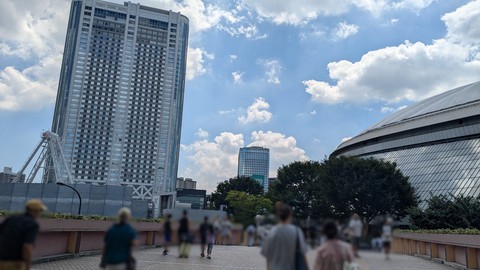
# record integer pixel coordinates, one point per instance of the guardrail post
(472, 262)
(450, 253)
(150, 238)
(434, 250)
(422, 248)
(72, 242)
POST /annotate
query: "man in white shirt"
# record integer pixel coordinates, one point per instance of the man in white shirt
(356, 231)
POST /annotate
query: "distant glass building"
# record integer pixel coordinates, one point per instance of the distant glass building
(120, 96)
(436, 143)
(255, 162)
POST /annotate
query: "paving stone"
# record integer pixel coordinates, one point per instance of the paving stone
(234, 258)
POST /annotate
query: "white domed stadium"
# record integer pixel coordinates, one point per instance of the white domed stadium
(435, 142)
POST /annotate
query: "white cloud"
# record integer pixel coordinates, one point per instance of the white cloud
(237, 76)
(257, 112)
(387, 109)
(223, 112)
(233, 57)
(272, 69)
(32, 88)
(314, 112)
(463, 24)
(248, 31)
(202, 133)
(283, 149)
(302, 11)
(210, 162)
(344, 30)
(196, 61)
(410, 71)
(394, 21)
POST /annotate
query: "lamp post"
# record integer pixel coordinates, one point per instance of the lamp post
(76, 191)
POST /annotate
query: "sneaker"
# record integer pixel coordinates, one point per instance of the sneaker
(208, 257)
(165, 252)
(202, 255)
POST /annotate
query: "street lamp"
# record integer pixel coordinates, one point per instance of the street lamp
(78, 194)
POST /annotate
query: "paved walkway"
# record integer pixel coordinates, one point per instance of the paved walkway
(234, 258)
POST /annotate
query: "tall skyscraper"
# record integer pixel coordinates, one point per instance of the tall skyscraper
(255, 162)
(120, 96)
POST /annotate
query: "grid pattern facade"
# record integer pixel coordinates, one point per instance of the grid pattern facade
(452, 167)
(120, 98)
(255, 162)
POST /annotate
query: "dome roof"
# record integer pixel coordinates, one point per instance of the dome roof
(456, 97)
(455, 104)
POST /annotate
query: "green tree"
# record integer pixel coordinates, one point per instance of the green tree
(447, 212)
(366, 186)
(298, 185)
(242, 183)
(246, 206)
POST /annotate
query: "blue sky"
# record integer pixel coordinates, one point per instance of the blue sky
(295, 76)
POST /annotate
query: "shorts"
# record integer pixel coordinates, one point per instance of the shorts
(386, 244)
(168, 237)
(356, 241)
(13, 265)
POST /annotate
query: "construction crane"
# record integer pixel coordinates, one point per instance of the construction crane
(50, 155)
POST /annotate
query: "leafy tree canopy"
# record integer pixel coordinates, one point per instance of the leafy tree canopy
(242, 183)
(246, 206)
(298, 185)
(366, 186)
(447, 212)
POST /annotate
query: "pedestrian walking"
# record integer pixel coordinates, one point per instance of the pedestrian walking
(334, 253)
(184, 236)
(210, 240)
(167, 232)
(118, 244)
(387, 236)
(204, 231)
(251, 230)
(355, 227)
(17, 237)
(285, 247)
(226, 231)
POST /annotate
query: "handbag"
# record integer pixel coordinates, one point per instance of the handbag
(132, 263)
(300, 262)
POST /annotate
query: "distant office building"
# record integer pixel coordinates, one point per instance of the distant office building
(120, 96)
(7, 176)
(195, 198)
(186, 183)
(255, 162)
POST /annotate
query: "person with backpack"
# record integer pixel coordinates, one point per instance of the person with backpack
(18, 235)
(118, 244)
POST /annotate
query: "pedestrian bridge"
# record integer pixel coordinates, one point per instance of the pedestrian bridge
(234, 258)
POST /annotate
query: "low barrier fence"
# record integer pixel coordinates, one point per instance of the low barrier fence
(460, 251)
(63, 238)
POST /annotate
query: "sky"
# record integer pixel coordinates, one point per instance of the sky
(298, 77)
